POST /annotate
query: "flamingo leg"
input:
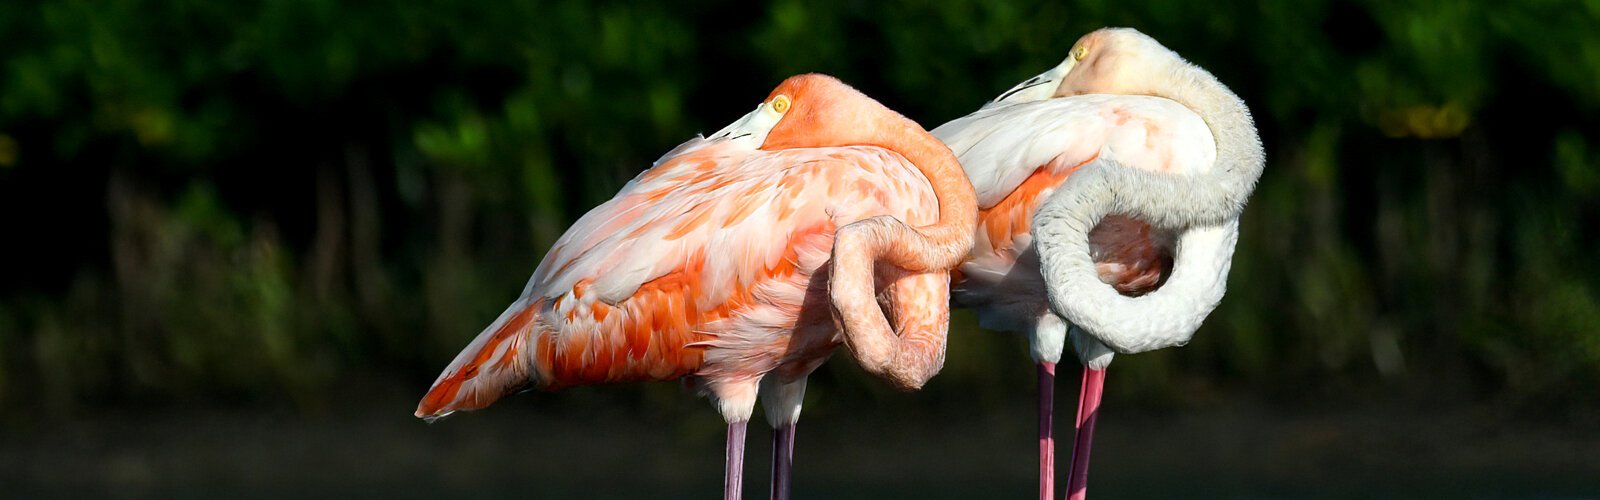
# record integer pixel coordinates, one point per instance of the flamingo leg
(1088, 411)
(1047, 440)
(782, 460)
(733, 477)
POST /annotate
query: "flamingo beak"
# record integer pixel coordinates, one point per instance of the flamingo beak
(750, 129)
(1038, 88)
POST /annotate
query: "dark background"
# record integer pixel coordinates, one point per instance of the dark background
(241, 238)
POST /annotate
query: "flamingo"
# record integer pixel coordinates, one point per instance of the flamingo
(714, 266)
(1109, 190)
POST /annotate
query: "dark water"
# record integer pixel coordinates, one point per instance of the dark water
(522, 450)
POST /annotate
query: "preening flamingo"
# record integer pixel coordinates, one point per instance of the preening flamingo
(713, 265)
(1109, 190)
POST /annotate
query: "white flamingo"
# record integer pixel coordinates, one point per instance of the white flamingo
(1109, 190)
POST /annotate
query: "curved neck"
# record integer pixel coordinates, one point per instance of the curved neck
(951, 237)
(1208, 198)
(1166, 317)
(912, 351)
(1239, 151)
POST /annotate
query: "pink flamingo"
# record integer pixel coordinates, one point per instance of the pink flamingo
(1109, 190)
(714, 265)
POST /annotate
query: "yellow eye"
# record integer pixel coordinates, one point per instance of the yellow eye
(1080, 53)
(780, 104)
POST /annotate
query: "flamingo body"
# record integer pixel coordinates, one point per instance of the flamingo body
(702, 267)
(1019, 154)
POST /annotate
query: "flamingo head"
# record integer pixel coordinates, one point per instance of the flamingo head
(1106, 61)
(815, 110)
(824, 112)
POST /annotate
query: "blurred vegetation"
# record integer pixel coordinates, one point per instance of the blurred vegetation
(257, 201)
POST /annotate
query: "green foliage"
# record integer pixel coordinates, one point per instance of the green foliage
(253, 199)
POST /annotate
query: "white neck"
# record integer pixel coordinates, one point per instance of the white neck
(1203, 207)
(1166, 317)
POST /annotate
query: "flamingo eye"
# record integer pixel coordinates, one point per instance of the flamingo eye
(780, 104)
(1080, 52)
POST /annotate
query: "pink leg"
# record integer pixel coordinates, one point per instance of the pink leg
(782, 460)
(733, 478)
(1047, 440)
(1094, 382)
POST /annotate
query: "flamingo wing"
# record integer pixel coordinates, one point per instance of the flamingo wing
(1001, 146)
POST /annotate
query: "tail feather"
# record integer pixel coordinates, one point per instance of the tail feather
(497, 363)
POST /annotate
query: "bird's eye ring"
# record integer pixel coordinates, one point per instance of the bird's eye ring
(780, 104)
(1080, 53)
